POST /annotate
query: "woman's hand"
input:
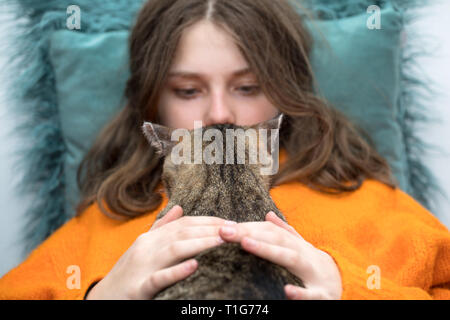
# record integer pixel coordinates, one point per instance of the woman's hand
(276, 241)
(153, 262)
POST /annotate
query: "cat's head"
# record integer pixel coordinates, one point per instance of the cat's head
(187, 152)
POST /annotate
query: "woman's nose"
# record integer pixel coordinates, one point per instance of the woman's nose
(220, 110)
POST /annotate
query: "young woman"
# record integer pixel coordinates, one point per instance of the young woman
(351, 233)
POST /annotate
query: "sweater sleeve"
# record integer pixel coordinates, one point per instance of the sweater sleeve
(54, 270)
(408, 259)
(359, 283)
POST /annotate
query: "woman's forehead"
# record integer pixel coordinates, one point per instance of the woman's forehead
(205, 47)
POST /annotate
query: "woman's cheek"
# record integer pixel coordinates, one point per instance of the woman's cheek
(256, 112)
(184, 116)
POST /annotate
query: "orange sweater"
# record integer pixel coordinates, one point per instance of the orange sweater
(372, 231)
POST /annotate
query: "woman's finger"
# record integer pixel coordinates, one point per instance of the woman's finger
(262, 231)
(174, 213)
(201, 231)
(166, 277)
(200, 220)
(261, 234)
(272, 217)
(183, 249)
(282, 256)
(298, 293)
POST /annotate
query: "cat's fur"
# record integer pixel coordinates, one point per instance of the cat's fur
(235, 192)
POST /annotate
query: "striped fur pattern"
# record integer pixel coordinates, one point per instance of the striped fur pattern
(230, 191)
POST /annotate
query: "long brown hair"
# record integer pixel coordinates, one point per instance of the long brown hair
(325, 150)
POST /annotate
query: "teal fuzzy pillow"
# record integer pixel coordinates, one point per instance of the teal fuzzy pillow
(359, 75)
(358, 71)
(90, 72)
(75, 83)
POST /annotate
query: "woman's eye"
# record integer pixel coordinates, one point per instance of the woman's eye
(191, 92)
(248, 90)
(185, 93)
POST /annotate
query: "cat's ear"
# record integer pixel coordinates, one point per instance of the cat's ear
(274, 123)
(273, 126)
(159, 137)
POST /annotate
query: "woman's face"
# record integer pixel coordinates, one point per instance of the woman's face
(209, 81)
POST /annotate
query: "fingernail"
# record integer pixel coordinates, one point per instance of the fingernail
(228, 231)
(291, 291)
(190, 265)
(273, 214)
(220, 240)
(230, 223)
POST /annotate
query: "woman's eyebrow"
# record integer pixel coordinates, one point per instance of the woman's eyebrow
(193, 75)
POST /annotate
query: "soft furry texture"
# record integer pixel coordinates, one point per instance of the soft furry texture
(373, 226)
(34, 98)
(412, 111)
(415, 90)
(32, 89)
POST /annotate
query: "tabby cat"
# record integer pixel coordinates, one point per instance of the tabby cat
(233, 190)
